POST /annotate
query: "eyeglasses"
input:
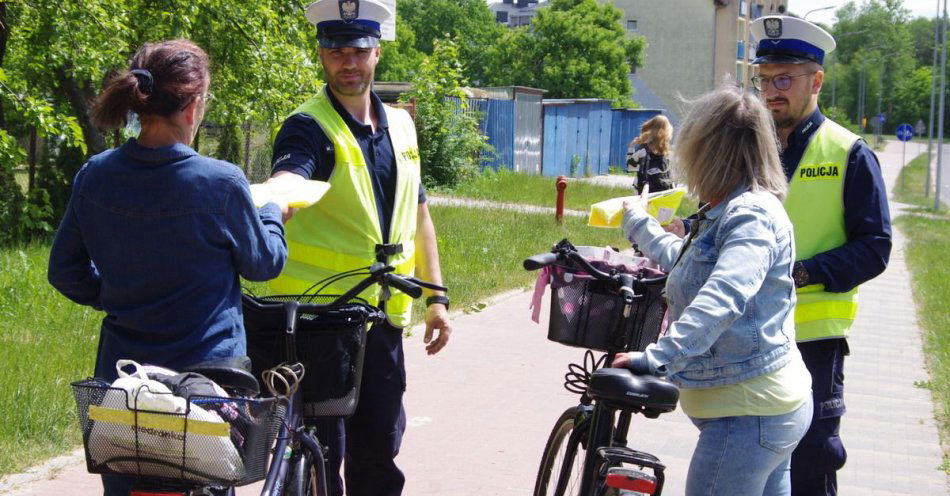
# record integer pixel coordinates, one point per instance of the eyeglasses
(781, 83)
(209, 96)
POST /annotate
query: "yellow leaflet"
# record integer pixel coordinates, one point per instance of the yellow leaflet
(661, 205)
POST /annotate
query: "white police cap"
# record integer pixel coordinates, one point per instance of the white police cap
(789, 40)
(349, 23)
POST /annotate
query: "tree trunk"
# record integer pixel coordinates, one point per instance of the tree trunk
(247, 147)
(79, 96)
(32, 176)
(4, 36)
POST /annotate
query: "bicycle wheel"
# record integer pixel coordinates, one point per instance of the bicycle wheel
(302, 475)
(562, 464)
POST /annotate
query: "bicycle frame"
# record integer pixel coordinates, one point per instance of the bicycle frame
(291, 438)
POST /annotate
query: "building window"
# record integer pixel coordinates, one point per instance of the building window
(740, 50)
(501, 17)
(756, 11)
(740, 74)
(632, 25)
(743, 7)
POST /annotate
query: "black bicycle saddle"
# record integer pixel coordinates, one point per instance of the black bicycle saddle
(229, 373)
(623, 389)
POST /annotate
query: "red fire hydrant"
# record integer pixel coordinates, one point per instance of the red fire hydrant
(561, 185)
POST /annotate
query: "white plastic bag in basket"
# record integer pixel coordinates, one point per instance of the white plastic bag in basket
(143, 410)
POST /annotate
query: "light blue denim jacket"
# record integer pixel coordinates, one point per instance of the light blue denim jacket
(731, 296)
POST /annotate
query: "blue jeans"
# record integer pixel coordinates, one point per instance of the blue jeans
(747, 455)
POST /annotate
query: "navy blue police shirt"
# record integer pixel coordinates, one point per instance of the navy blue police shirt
(303, 148)
(867, 219)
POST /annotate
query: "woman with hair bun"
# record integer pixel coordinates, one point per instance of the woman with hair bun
(156, 235)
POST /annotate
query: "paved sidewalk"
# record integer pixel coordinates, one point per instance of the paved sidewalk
(480, 411)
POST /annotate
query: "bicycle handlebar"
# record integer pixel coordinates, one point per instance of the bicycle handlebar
(565, 251)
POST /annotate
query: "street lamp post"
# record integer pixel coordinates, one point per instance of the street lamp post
(943, 74)
(933, 94)
(817, 10)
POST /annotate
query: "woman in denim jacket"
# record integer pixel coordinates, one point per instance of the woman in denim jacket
(730, 345)
(156, 235)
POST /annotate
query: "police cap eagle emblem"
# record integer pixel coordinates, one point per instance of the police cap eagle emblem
(773, 27)
(349, 10)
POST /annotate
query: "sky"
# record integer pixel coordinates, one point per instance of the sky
(918, 8)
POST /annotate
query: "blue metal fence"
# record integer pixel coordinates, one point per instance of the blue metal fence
(576, 137)
(626, 126)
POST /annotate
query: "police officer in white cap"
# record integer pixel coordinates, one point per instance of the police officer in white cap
(374, 211)
(838, 205)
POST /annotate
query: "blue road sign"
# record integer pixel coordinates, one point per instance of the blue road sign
(905, 132)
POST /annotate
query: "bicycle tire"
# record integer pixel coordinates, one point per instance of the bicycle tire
(564, 477)
(302, 478)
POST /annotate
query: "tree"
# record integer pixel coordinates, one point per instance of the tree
(400, 59)
(469, 21)
(57, 54)
(574, 49)
(450, 144)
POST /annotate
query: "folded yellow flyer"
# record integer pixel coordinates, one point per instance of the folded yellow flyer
(297, 193)
(662, 205)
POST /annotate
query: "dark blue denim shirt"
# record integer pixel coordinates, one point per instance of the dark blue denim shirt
(156, 238)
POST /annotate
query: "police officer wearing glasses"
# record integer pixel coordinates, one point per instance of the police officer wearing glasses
(838, 206)
(374, 211)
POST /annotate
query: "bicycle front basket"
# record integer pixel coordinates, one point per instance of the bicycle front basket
(329, 344)
(586, 313)
(216, 440)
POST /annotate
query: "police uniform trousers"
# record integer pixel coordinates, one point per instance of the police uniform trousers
(369, 440)
(820, 453)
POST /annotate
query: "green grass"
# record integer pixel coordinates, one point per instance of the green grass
(929, 241)
(46, 342)
(910, 185)
(926, 257)
(480, 259)
(511, 187)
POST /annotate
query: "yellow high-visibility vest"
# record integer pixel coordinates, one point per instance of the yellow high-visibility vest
(815, 204)
(341, 231)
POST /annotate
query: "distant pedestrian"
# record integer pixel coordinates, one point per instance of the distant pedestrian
(650, 158)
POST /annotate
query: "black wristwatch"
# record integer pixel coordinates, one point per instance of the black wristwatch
(438, 299)
(800, 275)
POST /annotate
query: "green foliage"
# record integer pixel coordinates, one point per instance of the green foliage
(841, 117)
(229, 144)
(450, 143)
(469, 21)
(575, 49)
(877, 43)
(400, 59)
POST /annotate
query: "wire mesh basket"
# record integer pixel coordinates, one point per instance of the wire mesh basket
(330, 345)
(588, 313)
(215, 440)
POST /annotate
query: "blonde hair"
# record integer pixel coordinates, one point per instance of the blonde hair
(656, 134)
(727, 139)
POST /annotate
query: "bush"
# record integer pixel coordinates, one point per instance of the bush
(841, 117)
(450, 143)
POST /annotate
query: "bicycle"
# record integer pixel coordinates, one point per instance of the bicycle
(599, 304)
(296, 466)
